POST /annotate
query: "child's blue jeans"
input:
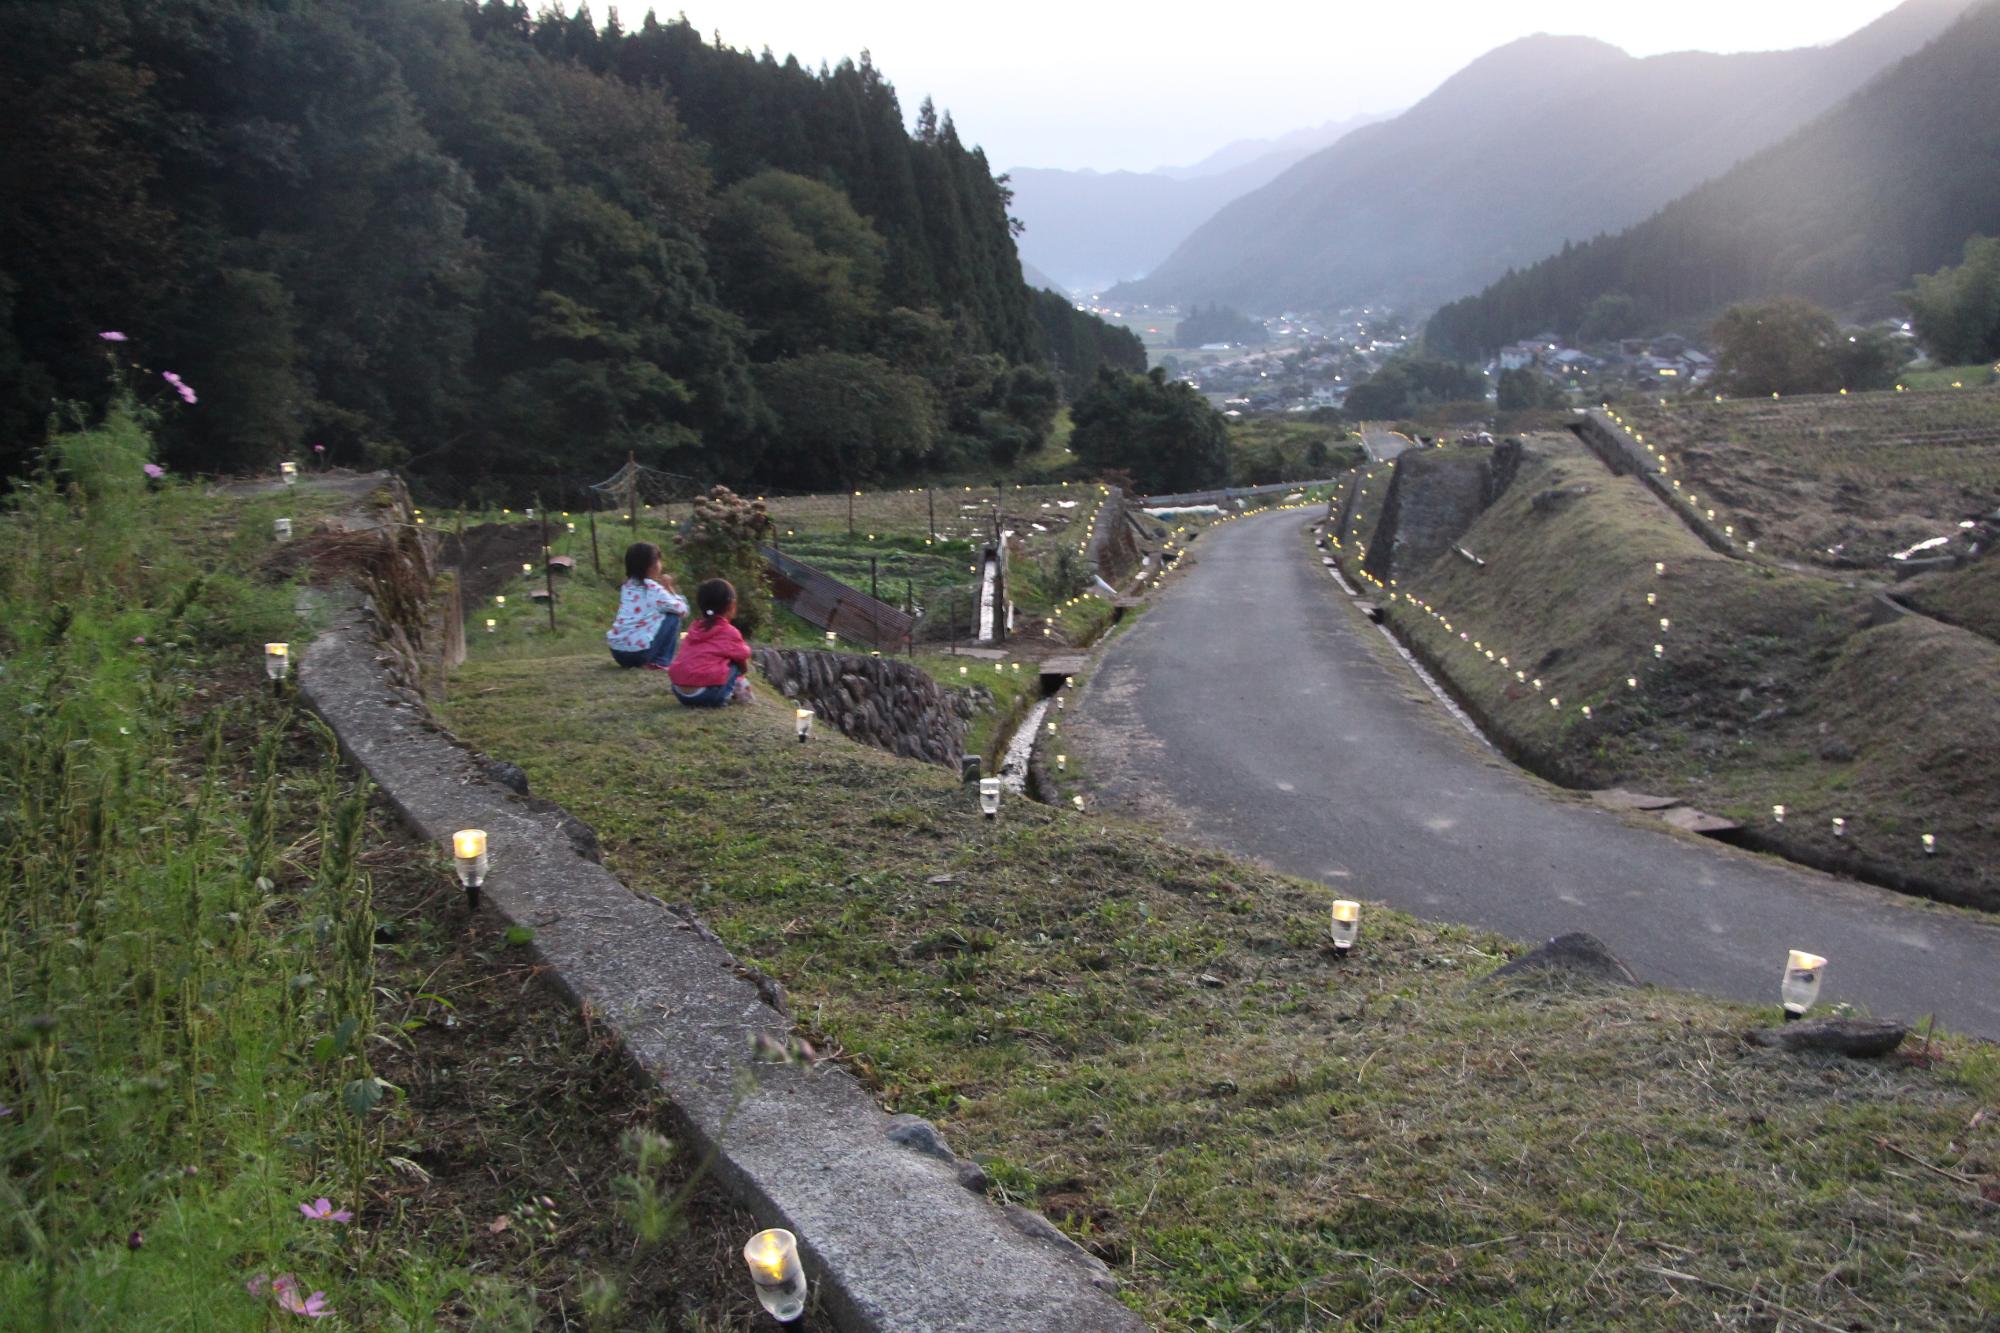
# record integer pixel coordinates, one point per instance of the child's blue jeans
(659, 654)
(712, 696)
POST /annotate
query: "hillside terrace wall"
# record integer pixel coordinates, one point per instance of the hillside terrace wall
(1627, 459)
(893, 1230)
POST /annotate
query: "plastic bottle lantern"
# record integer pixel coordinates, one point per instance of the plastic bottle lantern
(1778, 813)
(831, 638)
(773, 1259)
(468, 855)
(1930, 844)
(1801, 984)
(281, 528)
(1346, 925)
(277, 660)
(989, 797)
(804, 717)
(290, 472)
(491, 624)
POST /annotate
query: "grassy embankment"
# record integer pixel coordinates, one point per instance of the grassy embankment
(1772, 686)
(231, 987)
(1154, 1046)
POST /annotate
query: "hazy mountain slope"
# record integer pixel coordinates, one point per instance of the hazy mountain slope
(1542, 140)
(1088, 229)
(1888, 184)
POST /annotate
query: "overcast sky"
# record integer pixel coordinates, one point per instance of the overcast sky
(1046, 83)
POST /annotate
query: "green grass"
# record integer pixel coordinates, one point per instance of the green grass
(1773, 687)
(1154, 1045)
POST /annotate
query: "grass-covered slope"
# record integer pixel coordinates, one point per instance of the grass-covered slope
(1155, 1046)
(1771, 686)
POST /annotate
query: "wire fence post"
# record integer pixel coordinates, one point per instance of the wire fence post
(595, 567)
(548, 565)
(850, 511)
(632, 493)
(930, 506)
(874, 590)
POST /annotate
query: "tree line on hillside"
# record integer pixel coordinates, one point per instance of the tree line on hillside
(463, 239)
(1889, 184)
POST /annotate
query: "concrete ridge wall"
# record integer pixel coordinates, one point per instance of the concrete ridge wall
(876, 700)
(1627, 459)
(893, 1235)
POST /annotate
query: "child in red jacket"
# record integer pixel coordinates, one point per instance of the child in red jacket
(710, 668)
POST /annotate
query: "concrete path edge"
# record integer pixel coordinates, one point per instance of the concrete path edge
(891, 1236)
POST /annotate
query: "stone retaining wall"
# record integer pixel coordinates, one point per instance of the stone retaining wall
(875, 700)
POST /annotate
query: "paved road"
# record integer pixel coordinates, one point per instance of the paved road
(1257, 707)
(1383, 444)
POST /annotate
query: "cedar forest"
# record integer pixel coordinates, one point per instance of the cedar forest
(466, 241)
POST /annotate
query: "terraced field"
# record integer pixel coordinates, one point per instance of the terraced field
(1843, 481)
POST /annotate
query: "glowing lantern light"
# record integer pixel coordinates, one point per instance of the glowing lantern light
(1659, 650)
(989, 797)
(1778, 813)
(773, 1260)
(468, 854)
(1346, 925)
(1062, 763)
(804, 718)
(491, 624)
(1930, 844)
(277, 660)
(1631, 682)
(1839, 827)
(1801, 984)
(281, 528)
(290, 472)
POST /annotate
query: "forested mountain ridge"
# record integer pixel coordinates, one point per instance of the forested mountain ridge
(470, 240)
(1545, 139)
(1889, 184)
(1093, 228)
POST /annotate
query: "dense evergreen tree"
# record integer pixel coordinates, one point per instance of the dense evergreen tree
(1956, 310)
(1079, 343)
(468, 239)
(1160, 432)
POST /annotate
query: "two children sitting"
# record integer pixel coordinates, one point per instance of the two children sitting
(711, 666)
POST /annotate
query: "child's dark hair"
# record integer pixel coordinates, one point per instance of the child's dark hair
(639, 558)
(714, 596)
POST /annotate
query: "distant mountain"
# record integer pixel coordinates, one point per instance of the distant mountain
(1889, 184)
(1039, 281)
(1089, 229)
(1545, 139)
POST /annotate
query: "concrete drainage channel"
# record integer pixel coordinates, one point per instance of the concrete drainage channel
(892, 1228)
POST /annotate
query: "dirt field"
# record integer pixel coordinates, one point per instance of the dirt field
(1836, 481)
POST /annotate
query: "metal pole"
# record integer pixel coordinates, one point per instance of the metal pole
(930, 505)
(873, 590)
(850, 511)
(596, 567)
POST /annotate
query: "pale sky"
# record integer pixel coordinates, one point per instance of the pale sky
(1040, 83)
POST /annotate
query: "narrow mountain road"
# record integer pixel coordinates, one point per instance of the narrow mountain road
(1254, 707)
(1382, 444)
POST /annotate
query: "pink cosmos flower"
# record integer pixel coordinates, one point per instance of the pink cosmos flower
(312, 1307)
(154, 470)
(112, 336)
(140, 639)
(322, 1209)
(170, 377)
(319, 448)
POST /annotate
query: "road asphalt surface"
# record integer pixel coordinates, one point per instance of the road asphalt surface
(1253, 706)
